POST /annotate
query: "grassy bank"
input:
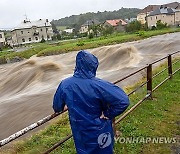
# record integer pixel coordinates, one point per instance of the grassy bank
(46, 49)
(154, 118)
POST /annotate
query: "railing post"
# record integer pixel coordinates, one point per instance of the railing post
(170, 66)
(149, 80)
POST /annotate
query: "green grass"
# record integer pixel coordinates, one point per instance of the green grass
(46, 49)
(153, 118)
(2, 53)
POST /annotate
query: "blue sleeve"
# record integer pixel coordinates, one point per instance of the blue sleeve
(58, 102)
(116, 100)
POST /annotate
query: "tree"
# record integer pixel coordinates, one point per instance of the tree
(59, 37)
(134, 26)
(91, 35)
(54, 28)
(95, 28)
(161, 25)
(107, 30)
(122, 13)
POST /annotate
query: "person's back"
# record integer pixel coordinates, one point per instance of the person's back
(87, 97)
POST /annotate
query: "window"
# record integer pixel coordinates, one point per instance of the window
(0, 35)
(41, 29)
(36, 38)
(48, 36)
(28, 31)
(21, 32)
(23, 40)
(156, 17)
(29, 39)
(46, 29)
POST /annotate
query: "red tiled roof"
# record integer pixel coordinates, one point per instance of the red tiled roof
(116, 22)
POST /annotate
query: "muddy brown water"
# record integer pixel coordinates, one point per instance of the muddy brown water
(27, 87)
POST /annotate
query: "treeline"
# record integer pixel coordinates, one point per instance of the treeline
(77, 20)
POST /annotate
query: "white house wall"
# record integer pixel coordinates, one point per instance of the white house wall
(169, 19)
(28, 35)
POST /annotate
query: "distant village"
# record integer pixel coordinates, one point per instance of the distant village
(41, 30)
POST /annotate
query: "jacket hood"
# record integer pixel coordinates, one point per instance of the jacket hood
(86, 65)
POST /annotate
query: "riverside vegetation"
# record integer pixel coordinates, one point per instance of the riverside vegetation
(47, 49)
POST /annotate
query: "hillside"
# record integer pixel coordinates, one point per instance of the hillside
(76, 20)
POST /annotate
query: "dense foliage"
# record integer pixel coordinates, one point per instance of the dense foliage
(76, 20)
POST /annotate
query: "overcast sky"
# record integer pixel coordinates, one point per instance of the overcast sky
(12, 12)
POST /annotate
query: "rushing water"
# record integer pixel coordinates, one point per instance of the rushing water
(27, 87)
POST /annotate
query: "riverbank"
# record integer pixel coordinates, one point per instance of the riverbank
(46, 49)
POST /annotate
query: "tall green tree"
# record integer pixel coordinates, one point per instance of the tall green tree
(134, 26)
(54, 28)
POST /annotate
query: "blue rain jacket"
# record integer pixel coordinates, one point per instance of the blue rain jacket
(87, 97)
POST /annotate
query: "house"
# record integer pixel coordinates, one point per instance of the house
(69, 31)
(31, 32)
(85, 27)
(117, 24)
(2, 39)
(147, 10)
(166, 15)
(129, 20)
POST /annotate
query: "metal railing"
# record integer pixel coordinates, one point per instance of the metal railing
(150, 90)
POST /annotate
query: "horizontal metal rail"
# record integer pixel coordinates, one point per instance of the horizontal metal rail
(161, 83)
(30, 127)
(130, 75)
(132, 109)
(164, 80)
(58, 144)
(159, 72)
(164, 57)
(174, 53)
(137, 88)
(159, 60)
(175, 62)
(176, 71)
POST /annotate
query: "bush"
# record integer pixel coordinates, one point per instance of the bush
(59, 37)
(43, 40)
(107, 30)
(54, 37)
(80, 44)
(140, 33)
(134, 26)
(161, 25)
(91, 35)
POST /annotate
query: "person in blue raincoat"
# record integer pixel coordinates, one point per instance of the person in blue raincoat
(92, 104)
